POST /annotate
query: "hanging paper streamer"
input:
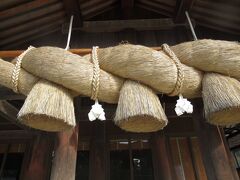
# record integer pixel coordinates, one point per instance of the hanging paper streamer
(97, 111)
(183, 105)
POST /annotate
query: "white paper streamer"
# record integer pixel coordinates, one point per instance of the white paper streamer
(183, 105)
(97, 112)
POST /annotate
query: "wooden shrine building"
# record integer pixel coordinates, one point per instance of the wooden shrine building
(188, 148)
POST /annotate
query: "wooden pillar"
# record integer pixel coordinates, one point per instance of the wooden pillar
(65, 155)
(217, 159)
(37, 158)
(65, 151)
(99, 156)
(162, 162)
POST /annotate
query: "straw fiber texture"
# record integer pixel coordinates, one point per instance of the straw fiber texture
(48, 107)
(74, 72)
(211, 56)
(71, 71)
(139, 109)
(154, 69)
(221, 97)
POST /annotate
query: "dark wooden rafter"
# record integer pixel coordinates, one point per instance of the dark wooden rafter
(181, 7)
(72, 8)
(127, 8)
(24, 7)
(156, 7)
(9, 112)
(8, 94)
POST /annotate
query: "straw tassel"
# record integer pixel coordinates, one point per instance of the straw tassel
(139, 109)
(221, 98)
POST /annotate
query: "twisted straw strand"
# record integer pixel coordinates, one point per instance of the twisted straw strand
(17, 68)
(180, 74)
(96, 74)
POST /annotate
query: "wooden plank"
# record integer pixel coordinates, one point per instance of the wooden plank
(198, 162)
(153, 8)
(32, 24)
(184, 5)
(32, 37)
(29, 16)
(65, 155)
(37, 158)
(158, 6)
(98, 152)
(97, 7)
(29, 33)
(216, 158)
(72, 8)
(118, 25)
(24, 8)
(162, 161)
(177, 161)
(187, 160)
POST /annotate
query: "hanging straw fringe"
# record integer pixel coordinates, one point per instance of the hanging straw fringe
(17, 68)
(97, 112)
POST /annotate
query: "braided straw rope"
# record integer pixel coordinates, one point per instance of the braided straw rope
(96, 74)
(180, 74)
(17, 68)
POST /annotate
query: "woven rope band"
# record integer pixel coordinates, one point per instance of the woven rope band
(180, 75)
(17, 68)
(96, 74)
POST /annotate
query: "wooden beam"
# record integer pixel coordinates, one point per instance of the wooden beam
(24, 8)
(16, 136)
(82, 51)
(8, 94)
(118, 25)
(217, 159)
(184, 5)
(163, 167)
(72, 8)
(32, 24)
(9, 112)
(31, 15)
(37, 158)
(42, 29)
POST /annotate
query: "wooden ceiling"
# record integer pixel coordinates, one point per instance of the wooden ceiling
(24, 20)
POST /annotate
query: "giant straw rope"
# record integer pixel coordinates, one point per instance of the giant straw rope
(135, 62)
